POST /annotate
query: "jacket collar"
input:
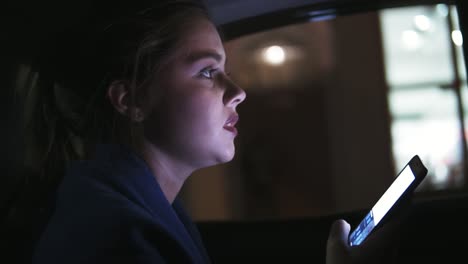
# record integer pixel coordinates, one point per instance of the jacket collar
(130, 175)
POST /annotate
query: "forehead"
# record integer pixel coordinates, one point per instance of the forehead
(201, 36)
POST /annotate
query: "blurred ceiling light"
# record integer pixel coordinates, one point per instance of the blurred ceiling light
(457, 37)
(442, 10)
(422, 22)
(411, 40)
(274, 55)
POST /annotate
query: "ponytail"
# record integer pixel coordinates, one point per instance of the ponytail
(65, 110)
(52, 133)
(50, 142)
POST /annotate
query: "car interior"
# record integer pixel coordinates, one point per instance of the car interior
(340, 95)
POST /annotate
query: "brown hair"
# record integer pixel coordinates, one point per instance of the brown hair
(67, 111)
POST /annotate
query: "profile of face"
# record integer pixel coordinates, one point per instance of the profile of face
(191, 110)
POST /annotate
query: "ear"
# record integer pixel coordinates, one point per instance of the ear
(120, 97)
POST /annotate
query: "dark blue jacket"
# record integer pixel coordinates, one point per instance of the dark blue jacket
(112, 210)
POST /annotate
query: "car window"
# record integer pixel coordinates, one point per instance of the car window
(335, 108)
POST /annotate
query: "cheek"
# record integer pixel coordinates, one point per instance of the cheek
(200, 113)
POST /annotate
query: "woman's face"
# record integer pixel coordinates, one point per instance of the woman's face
(191, 114)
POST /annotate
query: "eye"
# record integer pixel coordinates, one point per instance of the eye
(207, 73)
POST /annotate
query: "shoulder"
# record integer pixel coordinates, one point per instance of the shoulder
(110, 229)
(101, 219)
(111, 208)
(90, 197)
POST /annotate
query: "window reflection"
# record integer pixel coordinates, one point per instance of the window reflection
(421, 75)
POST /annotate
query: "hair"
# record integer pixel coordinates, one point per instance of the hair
(66, 109)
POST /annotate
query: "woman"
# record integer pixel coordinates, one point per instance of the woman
(139, 105)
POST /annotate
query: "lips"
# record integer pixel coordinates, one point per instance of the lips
(230, 124)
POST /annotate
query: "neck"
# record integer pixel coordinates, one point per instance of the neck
(169, 172)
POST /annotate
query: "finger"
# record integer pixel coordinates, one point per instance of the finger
(337, 244)
(339, 232)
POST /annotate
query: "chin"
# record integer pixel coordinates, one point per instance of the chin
(226, 156)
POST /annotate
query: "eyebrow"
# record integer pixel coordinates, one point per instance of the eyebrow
(203, 54)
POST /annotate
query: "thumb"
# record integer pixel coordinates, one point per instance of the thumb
(338, 250)
(339, 232)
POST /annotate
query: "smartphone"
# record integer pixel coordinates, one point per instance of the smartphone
(402, 187)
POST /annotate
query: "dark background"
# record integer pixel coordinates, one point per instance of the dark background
(436, 231)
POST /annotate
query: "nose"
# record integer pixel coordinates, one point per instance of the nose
(233, 94)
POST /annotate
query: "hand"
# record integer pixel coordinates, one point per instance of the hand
(338, 250)
(380, 247)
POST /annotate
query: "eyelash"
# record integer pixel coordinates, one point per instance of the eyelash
(207, 73)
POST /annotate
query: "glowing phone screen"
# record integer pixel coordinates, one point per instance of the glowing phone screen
(382, 206)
